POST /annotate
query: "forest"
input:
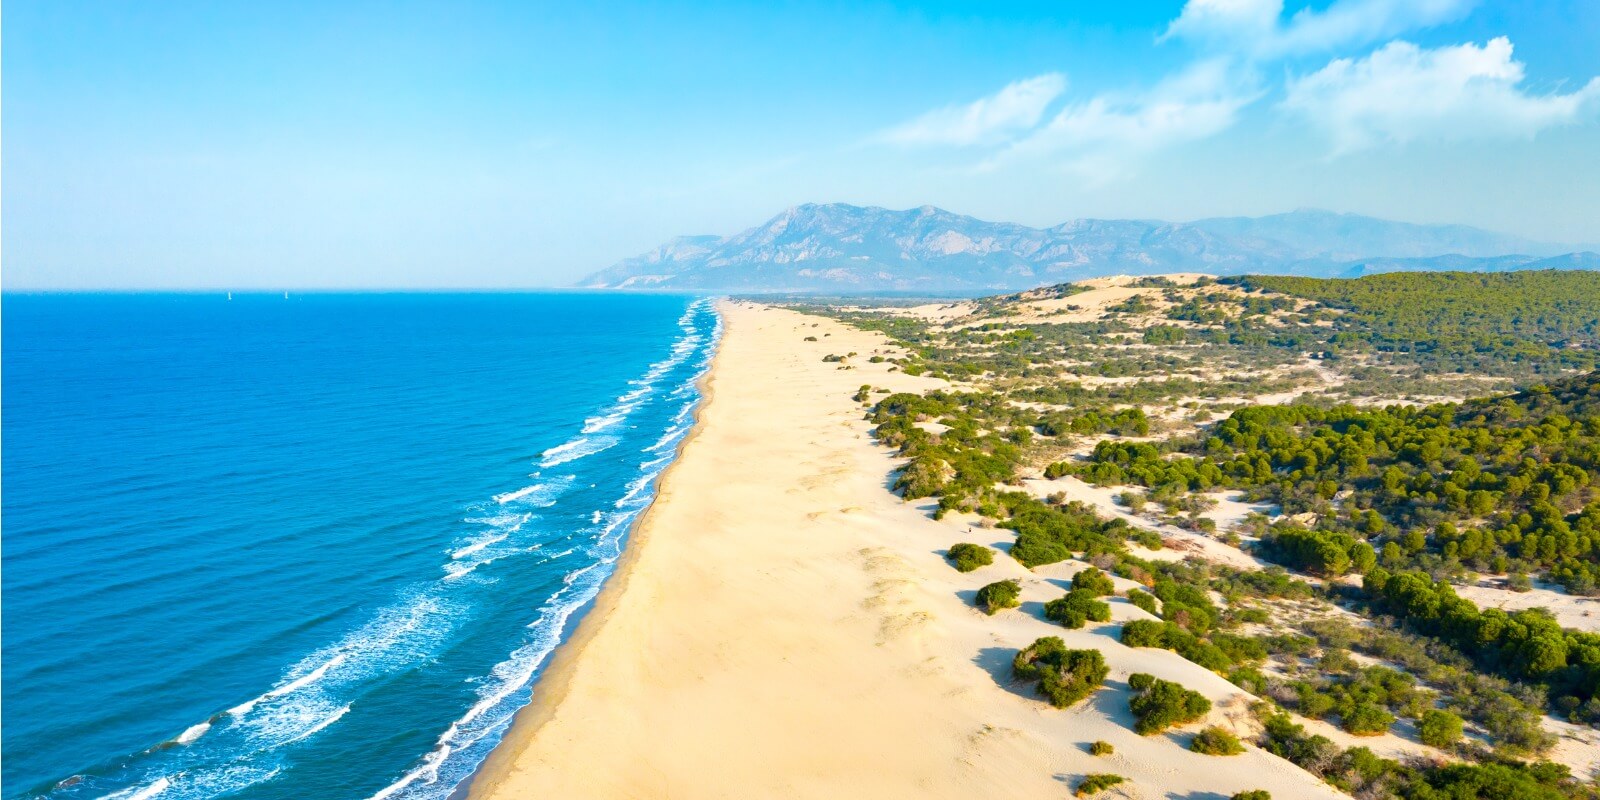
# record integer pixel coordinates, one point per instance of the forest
(1410, 495)
(1501, 484)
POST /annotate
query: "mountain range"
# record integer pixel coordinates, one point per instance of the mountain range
(843, 248)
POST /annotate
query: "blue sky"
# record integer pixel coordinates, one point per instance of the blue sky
(237, 145)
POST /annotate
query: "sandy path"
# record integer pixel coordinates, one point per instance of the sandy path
(785, 627)
(1578, 613)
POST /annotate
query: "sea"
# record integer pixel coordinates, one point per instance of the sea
(311, 545)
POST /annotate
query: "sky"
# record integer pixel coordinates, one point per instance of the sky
(476, 145)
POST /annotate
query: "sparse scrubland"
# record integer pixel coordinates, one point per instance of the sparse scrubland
(1382, 440)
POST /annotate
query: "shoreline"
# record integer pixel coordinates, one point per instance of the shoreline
(554, 683)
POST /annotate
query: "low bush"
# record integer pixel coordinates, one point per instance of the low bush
(1367, 719)
(1440, 729)
(968, 556)
(1215, 741)
(1065, 676)
(1094, 784)
(1252, 794)
(1164, 704)
(999, 595)
(1171, 636)
(1093, 581)
(1143, 600)
(1077, 607)
(1101, 749)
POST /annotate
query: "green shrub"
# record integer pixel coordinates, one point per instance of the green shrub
(1094, 784)
(1143, 600)
(1093, 581)
(1252, 794)
(1171, 636)
(1440, 729)
(1367, 719)
(1064, 676)
(968, 556)
(1075, 608)
(999, 595)
(1101, 749)
(1140, 681)
(1163, 705)
(1215, 741)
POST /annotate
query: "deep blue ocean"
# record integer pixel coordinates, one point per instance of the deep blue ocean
(314, 547)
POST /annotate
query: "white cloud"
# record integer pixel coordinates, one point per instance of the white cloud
(1255, 27)
(1100, 137)
(1403, 93)
(993, 119)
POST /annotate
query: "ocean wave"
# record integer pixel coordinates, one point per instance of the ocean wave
(576, 448)
(193, 732)
(668, 439)
(291, 685)
(141, 792)
(326, 721)
(599, 423)
(465, 741)
(477, 545)
(494, 709)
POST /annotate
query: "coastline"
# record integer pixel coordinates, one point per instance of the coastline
(552, 686)
(783, 625)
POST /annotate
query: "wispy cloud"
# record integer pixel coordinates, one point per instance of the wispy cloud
(1100, 137)
(1397, 93)
(990, 120)
(1404, 93)
(1256, 28)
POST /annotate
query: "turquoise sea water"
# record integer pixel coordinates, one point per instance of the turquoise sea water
(315, 547)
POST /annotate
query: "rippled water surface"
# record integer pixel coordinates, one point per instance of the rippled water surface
(317, 546)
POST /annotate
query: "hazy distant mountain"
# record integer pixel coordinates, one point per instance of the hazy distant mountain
(1347, 237)
(844, 248)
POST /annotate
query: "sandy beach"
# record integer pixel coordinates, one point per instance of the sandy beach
(784, 626)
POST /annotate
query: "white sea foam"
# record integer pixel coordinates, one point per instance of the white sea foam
(668, 439)
(296, 683)
(326, 721)
(210, 783)
(477, 545)
(600, 423)
(576, 448)
(193, 732)
(141, 792)
(492, 711)
(461, 570)
(636, 489)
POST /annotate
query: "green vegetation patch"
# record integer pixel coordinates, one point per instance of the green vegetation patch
(1215, 741)
(1065, 676)
(999, 595)
(1077, 607)
(1093, 581)
(1158, 705)
(1096, 783)
(967, 556)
